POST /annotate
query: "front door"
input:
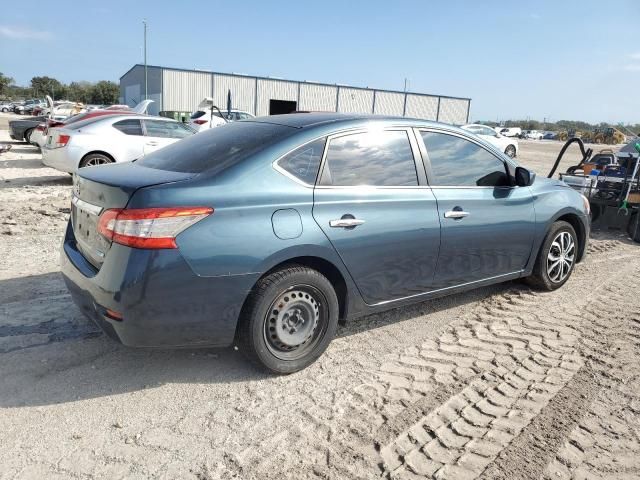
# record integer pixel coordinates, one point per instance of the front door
(487, 224)
(160, 133)
(372, 204)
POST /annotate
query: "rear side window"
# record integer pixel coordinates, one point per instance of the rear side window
(217, 149)
(163, 129)
(458, 162)
(197, 114)
(370, 158)
(303, 162)
(129, 127)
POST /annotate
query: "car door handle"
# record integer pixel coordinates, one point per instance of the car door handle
(346, 223)
(153, 144)
(456, 214)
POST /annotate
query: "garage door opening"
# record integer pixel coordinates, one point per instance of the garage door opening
(280, 107)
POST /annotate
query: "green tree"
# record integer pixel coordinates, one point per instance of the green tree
(80, 91)
(5, 82)
(48, 86)
(105, 92)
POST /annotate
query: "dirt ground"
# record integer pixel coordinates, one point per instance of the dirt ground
(502, 382)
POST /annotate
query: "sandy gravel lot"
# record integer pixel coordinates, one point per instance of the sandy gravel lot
(501, 382)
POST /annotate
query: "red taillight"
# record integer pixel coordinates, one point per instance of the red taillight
(40, 128)
(199, 122)
(149, 227)
(63, 140)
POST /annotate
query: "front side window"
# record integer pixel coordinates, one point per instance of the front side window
(303, 162)
(378, 158)
(128, 127)
(457, 162)
(161, 129)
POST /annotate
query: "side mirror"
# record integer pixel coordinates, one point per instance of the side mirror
(524, 177)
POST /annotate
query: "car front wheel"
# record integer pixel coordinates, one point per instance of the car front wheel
(510, 151)
(289, 319)
(556, 258)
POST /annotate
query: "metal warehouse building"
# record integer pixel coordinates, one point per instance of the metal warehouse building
(180, 90)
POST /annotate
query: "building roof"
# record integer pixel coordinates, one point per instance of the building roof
(292, 81)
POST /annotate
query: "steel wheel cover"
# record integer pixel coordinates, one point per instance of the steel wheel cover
(295, 322)
(561, 257)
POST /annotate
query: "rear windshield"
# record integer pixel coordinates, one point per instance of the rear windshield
(197, 114)
(218, 148)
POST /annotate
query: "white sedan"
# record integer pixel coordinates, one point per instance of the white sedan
(508, 145)
(108, 139)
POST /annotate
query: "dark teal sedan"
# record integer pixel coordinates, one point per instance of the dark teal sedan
(265, 233)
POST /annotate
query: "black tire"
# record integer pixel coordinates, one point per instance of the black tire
(510, 151)
(541, 278)
(596, 211)
(95, 159)
(274, 311)
(27, 135)
(633, 229)
(5, 110)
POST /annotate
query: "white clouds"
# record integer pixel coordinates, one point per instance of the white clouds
(634, 56)
(632, 67)
(21, 33)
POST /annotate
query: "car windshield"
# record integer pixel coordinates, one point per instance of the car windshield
(218, 148)
(197, 114)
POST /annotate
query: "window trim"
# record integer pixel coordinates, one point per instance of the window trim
(427, 161)
(421, 181)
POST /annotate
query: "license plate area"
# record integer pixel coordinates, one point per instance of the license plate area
(84, 220)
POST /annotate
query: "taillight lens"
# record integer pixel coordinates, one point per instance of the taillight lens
(40, 127)
(62, 141)
(199, 122)
(149, 227)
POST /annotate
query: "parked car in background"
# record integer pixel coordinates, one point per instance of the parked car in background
(549, 136)
(109, 139)
(509, 146)
(511, 132)
(534, 135)
(265, 233)
(39, 135)
(22, 129)
(6, 107)
(206, 116)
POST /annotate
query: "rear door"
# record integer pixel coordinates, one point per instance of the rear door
(160, 133)
(376, 209)
(487, 224)
(133, 146)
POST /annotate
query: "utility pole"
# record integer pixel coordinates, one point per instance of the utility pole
(144, 22)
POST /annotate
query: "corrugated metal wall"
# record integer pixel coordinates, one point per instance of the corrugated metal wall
(388, 103)
(184, 90)
(318, 98)
(453, 110)
(355, 100)
(276, 90)
(243, 92)
(423, 106)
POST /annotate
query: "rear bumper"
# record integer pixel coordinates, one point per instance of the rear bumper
(59, 158)
(163, 303)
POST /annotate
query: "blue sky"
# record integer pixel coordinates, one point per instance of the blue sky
(553, 59)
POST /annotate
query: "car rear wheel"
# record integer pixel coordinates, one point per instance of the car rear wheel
(510, 151)
(27, 135)
(94, 160)
(289, 319)
(5, 110)
(556, 258)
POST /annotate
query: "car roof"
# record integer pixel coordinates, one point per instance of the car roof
(305, 120)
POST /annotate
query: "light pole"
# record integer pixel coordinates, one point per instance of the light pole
(144, 22)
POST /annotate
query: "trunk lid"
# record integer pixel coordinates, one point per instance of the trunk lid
(96, 189)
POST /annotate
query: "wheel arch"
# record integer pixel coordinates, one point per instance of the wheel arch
(100, 152)
(573, 219)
